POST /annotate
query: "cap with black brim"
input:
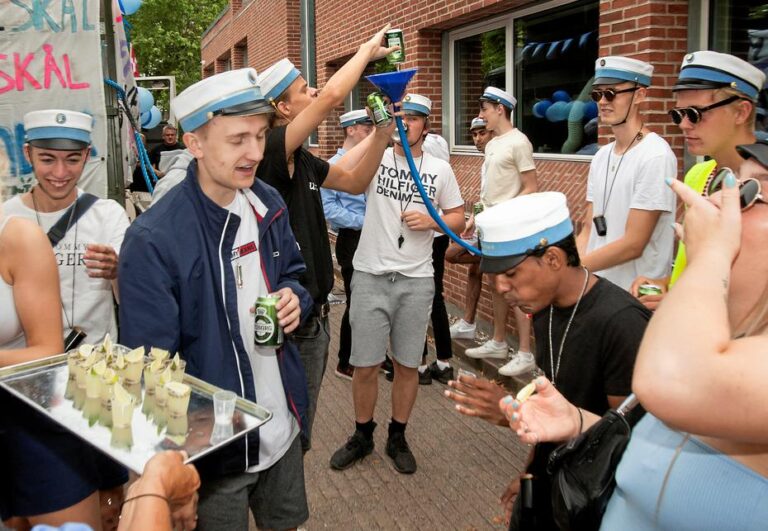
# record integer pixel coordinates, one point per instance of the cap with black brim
(698, 84)
(500, 264)
(758, 151)
(609, 81)
(59, 144)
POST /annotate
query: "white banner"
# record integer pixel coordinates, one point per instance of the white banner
(50, 58)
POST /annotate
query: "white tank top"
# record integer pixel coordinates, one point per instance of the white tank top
(11, 333)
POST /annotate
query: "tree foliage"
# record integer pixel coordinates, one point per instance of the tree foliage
(166, 37)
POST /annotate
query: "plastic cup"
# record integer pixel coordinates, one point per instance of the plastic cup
(224, 406)
(178, 399)
(177, 370)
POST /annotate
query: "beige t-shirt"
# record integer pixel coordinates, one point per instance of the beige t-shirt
(506, 157)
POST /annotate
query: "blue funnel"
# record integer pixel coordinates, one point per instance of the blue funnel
(393, 84)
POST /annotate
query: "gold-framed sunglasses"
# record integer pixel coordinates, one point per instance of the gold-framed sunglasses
(750, 190)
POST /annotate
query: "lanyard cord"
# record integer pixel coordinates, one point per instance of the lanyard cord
(638, 136)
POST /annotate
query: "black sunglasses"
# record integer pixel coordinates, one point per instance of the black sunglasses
(609, 94)
(750, 190)
(694, 113)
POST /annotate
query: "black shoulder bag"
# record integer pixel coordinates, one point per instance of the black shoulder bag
(583, 469)
(62, 225)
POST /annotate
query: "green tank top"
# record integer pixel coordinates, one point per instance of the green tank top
(696, 178)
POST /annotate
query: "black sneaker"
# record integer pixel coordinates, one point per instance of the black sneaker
(398, 450)
(441, 375)
(390, 376)
(345, 372)
(425, 378)
(355, 449)
(386, 366)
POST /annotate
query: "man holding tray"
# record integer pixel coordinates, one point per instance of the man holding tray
(191, 270)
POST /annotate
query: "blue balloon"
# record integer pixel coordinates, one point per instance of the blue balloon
(129, 7)
(557, 112)
(540, 108)
(590, 110)
(151, 119)
(561, 95)
(146, 100)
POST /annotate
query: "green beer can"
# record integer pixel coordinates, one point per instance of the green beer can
(477, 208)
(268, 332)
(648, 289)
(394, 37)
(378, 108)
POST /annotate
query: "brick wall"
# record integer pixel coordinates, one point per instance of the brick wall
(650, 30)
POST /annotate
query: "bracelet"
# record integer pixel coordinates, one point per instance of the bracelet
(153, 494)
(581, 420)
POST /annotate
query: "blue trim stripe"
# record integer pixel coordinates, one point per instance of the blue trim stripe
(45, 133)
(200, 117)
(278, 89)
(498, 99)
(361, 120)
(623, 74)
(416, 107)
(523, 245)
(718, 76)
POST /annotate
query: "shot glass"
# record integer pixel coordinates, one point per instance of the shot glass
(224, 406)
(178, 399)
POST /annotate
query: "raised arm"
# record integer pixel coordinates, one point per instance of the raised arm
(356, 180)
(29, 264)
(334, 92)
(690, 372)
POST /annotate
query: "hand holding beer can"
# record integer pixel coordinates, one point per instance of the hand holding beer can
(268, 332)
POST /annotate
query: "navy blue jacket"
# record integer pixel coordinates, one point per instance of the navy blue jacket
(178, 292)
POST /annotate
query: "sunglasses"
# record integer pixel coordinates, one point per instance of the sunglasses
(750, 190)
(609, 94)
(694, 113)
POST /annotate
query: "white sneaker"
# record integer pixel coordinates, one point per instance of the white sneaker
(489, 349)
(463, 330)
(519, 364)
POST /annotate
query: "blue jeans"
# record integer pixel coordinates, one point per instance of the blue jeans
(312, 339)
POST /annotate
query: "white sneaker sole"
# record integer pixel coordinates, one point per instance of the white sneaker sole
(515, 372)
(463, 335)
(495, 354)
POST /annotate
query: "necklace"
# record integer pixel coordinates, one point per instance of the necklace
(74, 257)
(401, 238)
(638, 136)
(556, 368)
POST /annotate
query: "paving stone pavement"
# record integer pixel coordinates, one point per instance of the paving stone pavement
(464, 463)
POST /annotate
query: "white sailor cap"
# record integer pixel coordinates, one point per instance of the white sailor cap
(355, 117)
(58, 129)
(417, 104)
(618, 69)
(709, 70)
(232, 93)
(496, 95)
(478, 123)
(278, 77)
(513, 230)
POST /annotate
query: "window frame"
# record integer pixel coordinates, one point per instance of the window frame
(507, 21)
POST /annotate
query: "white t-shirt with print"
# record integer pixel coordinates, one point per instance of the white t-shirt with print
(86, 302)
(638, 183)
(506, 157)
(391, 192)
(276, 436)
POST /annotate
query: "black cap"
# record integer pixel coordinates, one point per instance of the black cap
(758, 151)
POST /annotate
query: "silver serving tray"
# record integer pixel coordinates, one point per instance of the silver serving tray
(44, 384)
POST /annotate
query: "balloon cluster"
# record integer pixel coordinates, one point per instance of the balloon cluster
(150, 115)
(559, 108)
(129, 7)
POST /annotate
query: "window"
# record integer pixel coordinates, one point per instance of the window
(241, 54)
(740, 27)
(545, 57)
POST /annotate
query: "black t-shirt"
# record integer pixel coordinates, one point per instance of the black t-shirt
(154, 154)
(597, 360)
(305, 208)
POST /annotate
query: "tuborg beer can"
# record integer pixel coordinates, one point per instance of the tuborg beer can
(394, 37)
(477, 208)
(648, 289)
(378, 108)
(268, 330)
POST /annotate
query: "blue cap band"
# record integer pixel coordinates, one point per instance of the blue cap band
(498, 99)
(632, 77)
(415, 107)
(278, 89)
(524, 245)
(718, 76)
(361, 120)
(47, 133)
(200, 117)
